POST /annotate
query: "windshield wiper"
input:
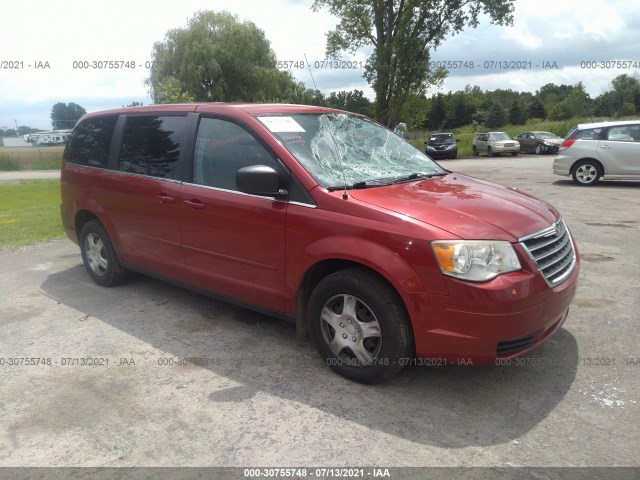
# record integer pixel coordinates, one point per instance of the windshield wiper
(416, 176)
(375, 182)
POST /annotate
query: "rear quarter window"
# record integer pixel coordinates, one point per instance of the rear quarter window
(588, 134)
(90, 141)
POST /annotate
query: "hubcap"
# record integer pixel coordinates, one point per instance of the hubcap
(96, 254)
(586, 173)
(351, 329)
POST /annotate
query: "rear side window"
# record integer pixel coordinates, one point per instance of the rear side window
(222, 148)
(589, 134)
(151, 145)
(90, 141)
(625, 133)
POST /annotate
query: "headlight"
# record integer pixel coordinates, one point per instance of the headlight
(429, 147)
(475, 260)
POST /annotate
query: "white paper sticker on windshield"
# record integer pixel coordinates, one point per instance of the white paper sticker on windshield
(281, 124)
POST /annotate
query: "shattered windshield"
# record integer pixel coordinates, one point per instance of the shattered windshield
(348, 150)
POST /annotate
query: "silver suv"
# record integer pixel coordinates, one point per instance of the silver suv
(607, 150)
(495, 143)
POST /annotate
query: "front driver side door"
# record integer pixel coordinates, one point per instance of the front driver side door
(233, 243)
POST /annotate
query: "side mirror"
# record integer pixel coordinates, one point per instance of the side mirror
(259, 180)
(457, 140)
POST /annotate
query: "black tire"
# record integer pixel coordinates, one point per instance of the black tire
(381, 350)
(514, 154)
(476, 153)
(586, 173)
(490, 152)
(538, 150)
(99, 257)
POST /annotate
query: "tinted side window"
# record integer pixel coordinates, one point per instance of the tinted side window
(151, 145)
(222, 148)
(89, 142)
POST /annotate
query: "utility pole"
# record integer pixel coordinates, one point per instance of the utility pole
(16, 120)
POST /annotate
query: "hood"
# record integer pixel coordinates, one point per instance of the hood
(464, 206)
(556, 141)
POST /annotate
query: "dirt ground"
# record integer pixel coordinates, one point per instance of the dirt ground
(148, 374)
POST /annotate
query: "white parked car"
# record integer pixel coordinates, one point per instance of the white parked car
(607, 150)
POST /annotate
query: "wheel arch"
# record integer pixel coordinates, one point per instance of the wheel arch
(320, 270)
(598, 163)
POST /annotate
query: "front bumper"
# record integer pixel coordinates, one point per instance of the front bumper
(480, 324)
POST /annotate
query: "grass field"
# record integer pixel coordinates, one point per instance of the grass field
(30, 158)
(29, 212)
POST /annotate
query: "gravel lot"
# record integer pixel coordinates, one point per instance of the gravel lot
(253, 396)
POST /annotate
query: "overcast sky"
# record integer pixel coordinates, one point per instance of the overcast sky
(560, 35)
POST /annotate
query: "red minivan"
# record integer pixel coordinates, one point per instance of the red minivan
(325, 218)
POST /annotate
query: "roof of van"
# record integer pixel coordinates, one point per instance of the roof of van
(219, 107)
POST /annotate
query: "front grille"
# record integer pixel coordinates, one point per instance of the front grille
(512, 346)
(553, 252)
(509, 144)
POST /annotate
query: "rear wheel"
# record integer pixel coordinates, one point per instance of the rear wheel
(98, 255)
(514, 154)
(586, 172)
(359, 325)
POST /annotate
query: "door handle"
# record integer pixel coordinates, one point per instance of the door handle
(605, 146)
(194, 204)
(164, 198)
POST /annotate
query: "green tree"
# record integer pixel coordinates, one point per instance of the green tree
(625, 96)
(217, 58)
(352, 101)
(402, 33)
(66, 115)
(515, 113)
(437, 116)
(461, 110)
(536, 109)
(169, 91)
(561, 110)
(495, 116)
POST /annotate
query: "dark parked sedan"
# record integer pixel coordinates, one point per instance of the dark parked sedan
(442, 145)
(539, 142)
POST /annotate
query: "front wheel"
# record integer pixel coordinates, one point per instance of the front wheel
(359, 325)
(475, 151)
(538, 149)
(489, 152)
(99, 256)
(514, 154)
(587, 172)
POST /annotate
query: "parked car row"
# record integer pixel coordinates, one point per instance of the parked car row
(444, 145)
(590, 152)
